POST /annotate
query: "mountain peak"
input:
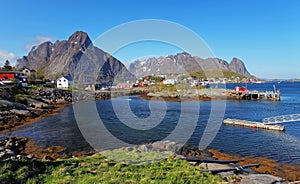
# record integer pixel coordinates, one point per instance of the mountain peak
(236, 60)
(184, 54)
(238, 66)
(80, 38)
(76, 53)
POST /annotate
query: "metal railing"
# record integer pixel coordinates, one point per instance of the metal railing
(282, 119)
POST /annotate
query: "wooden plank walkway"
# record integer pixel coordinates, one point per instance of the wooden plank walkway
(252, 124)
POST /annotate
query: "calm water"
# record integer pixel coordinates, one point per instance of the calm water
(284, 147)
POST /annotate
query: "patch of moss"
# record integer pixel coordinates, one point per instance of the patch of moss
(21, 98)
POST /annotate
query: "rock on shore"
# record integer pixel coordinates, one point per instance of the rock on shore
(168, 148)
(11, 148)
(18, 105)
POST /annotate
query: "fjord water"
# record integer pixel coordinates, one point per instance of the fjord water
(284, 147)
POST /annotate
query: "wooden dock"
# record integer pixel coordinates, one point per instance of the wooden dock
(254, 95)
(252, 124)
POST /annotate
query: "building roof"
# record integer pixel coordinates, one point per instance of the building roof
(68, 77)
(25, 67)
(9, 72)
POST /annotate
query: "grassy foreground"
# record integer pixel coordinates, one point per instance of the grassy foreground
(99, 169)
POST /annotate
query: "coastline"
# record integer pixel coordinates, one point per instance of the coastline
(175, 99)
(29, 120)
(287, 171)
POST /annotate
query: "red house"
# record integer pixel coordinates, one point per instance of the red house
(11, 77)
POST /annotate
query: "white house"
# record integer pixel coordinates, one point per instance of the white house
(64, 82)
(170, 82)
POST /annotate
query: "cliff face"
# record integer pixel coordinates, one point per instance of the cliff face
(238, 66)
(75, 56)
(184, 62)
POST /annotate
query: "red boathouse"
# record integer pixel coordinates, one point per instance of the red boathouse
(240, 89)
(11, 78)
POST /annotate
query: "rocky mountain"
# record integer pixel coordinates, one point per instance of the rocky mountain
(78, 57)
(184, 62)
(236, 65)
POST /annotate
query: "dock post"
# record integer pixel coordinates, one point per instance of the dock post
(278, 95)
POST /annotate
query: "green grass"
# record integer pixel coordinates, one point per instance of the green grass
(157, 87)
(216, 73)
(13, 91)
(136, 156)
(35, 87)
(21, 98)
(99, 169)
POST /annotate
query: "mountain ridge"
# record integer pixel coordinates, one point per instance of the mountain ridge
(185, 63)
(78, 56)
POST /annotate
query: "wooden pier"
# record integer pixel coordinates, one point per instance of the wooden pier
(254, 95)
(252, 124)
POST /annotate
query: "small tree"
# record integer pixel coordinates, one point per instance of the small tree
(7, 66)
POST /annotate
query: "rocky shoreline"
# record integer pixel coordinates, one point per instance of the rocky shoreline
(186, 95)
(20, 106)
(13, 148)
(17, 110)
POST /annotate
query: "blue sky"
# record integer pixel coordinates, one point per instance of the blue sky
(265, 34)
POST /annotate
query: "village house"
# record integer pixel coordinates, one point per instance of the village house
(27, 71)
(123, 86)
(170, 82)
(64, 82)
(13, 78)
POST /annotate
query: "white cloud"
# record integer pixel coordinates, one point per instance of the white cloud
(38, 40)
(4, 55)
(42, 39)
